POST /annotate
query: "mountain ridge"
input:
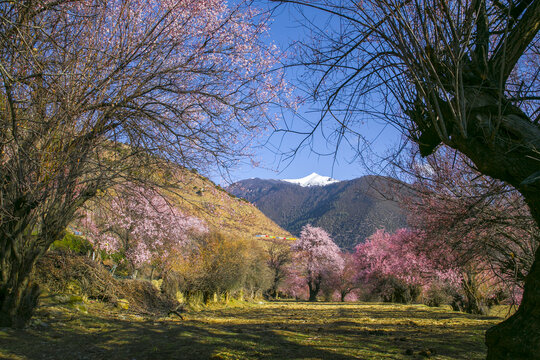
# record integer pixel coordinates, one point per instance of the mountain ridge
(349, 210)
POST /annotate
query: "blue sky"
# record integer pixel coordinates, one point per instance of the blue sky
(284, 30)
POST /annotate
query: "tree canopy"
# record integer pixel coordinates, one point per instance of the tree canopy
(96, 93)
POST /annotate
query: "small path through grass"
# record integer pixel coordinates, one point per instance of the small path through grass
(276, 330)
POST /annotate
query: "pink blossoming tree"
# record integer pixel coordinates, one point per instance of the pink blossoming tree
(317, 256)
(142, 225)
(400, 255)
(343, 282)
(482, 223)
(94, 93)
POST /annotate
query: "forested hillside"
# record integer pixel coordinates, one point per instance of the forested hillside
(349, 210)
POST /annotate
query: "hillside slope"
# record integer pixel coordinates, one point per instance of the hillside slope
(200, 197)
(349, 210)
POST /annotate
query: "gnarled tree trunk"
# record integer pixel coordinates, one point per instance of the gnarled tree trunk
(18, 294)
(504, 144)
(518, 337)
(314, 286)
(23, 240)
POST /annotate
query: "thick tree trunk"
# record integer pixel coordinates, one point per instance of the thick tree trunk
(513, 157)
(18, 303)
(18, 294)
(275, 284)
(314, 287)
(273, 292)
(504, 143)
(472, 305)
(19, 252)
(313, 293)
(518, 337)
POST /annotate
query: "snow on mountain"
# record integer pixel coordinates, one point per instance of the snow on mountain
(313, 179)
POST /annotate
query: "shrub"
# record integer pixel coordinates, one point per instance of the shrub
(64, 272)
(216, 263)
(438, 294)
(391, 289)
(173, 283)
(71, 242)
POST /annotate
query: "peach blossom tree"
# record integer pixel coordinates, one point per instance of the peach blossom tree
(141, 225)
(317, 257)
(96, 93)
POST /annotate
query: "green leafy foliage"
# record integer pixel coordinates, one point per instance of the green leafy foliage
(72, 242)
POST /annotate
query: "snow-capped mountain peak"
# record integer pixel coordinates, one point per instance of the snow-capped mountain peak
(313, 179)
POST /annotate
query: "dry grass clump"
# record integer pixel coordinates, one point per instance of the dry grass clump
(65, 272)
(144, 298)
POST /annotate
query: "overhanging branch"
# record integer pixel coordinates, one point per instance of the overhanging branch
(512, 47)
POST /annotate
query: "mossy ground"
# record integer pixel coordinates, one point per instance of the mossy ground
(275, 330)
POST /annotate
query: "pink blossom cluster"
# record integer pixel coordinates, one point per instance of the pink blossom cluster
(402, 254)
(141, 223)
(317, 252)
(201, 73)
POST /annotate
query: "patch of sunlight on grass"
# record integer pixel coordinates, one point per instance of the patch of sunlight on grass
(273, 330)
(502, 311)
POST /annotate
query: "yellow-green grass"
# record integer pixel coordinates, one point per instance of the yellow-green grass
(276, 330)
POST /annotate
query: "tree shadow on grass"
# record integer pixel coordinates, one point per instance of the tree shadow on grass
(384, 328)
(84, 338)
(273, 331)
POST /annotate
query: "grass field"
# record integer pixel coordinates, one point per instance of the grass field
(276, 330)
